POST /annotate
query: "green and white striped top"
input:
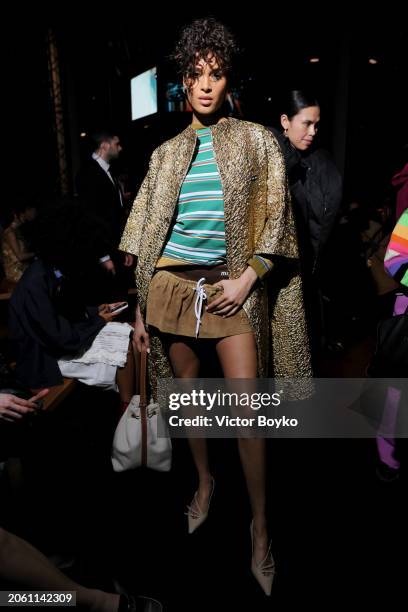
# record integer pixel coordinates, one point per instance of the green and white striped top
(198, 233)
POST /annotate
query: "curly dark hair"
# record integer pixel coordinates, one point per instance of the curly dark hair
(197, 40)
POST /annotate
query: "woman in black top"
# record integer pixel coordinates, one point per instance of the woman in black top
(314, 181)
(316, 189)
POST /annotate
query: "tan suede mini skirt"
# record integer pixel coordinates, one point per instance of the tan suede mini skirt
(177, 300)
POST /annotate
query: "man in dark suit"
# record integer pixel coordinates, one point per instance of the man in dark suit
(100, 193)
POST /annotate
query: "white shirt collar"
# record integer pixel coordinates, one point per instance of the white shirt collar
(103, 164)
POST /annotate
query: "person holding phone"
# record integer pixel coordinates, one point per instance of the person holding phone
(21, 564)
(117, 308)
(50, 324)
(13, 408)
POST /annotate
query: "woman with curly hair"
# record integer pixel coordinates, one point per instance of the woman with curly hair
(209, 224)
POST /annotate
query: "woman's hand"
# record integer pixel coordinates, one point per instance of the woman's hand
(235, 292)
(128, 261)
(104, 311)
(140, 336)
(13, 408)
(109, 266)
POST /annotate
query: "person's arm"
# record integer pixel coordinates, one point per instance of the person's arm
(54, 332)
(13, 408)
(140, 335)
(278, 236)
(22, 564)
(129, 260)
(262, 266)
(108, 264)
(132, 234)
(14, 244)
(235, 292)
(105, 311)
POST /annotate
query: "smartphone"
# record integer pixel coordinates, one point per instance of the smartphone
(119, 307)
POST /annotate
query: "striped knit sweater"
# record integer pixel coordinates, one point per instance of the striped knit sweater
(198, 233)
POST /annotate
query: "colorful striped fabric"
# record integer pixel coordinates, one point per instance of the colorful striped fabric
(396, 257)
(261, 265)
(198, 233)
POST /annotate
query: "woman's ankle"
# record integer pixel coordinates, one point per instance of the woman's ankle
(260, 526)
(205, 481)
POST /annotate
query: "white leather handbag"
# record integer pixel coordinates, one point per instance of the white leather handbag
(136, 443)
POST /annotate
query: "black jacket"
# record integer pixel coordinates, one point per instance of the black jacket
(316, 189)
(101, 198)
(45, 327)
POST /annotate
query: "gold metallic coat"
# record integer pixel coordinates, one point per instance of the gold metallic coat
(258, 220)
(13, 267)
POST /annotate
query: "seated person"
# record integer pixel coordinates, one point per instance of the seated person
(16, 256)
(49, 323)
(22, 565)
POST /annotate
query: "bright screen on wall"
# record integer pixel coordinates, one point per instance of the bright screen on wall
(143, 91)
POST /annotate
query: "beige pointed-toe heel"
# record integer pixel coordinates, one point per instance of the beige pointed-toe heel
(264, 572)
(196, 516)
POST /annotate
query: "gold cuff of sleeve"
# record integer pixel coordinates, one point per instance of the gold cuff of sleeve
(262, 269)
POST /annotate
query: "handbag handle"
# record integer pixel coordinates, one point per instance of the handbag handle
(143, 405)
(143, 378)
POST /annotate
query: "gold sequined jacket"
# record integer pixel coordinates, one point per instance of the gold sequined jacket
(258, 220)
(13, 267)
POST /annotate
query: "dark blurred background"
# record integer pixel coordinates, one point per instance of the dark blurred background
(72, 73)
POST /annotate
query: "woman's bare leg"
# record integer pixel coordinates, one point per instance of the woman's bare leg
(22, 564)
(186, 364)
(238, 358)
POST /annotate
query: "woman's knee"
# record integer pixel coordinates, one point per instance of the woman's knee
(238, 356)
(184, 360)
